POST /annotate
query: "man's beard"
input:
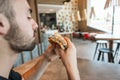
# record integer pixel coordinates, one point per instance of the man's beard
(18, 40)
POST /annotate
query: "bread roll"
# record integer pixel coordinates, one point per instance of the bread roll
(58, 40)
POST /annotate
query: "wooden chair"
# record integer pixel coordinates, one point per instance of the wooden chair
(103, 51)
(99, 44)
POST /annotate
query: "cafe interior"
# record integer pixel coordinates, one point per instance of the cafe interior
(92, 25)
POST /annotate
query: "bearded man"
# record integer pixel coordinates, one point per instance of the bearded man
(17, 29)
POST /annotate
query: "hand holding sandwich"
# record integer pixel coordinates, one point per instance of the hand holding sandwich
(69, 59)
(67, 51)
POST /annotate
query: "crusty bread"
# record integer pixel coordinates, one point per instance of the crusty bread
(59, 40)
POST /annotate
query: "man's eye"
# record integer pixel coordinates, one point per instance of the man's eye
(29, 17)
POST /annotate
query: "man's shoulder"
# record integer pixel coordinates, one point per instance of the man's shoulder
(12, 76)
(2, 78)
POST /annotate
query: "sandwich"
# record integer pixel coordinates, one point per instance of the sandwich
(58, 40)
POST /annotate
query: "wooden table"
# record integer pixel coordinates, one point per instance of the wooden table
(89, 70)
(110, 39)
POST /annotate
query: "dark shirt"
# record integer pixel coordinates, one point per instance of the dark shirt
(13, 76)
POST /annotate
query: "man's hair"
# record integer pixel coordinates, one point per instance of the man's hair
(6, 9)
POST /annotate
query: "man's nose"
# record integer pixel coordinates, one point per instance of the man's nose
(34, 25)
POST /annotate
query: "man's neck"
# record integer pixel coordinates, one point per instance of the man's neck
(7, 59)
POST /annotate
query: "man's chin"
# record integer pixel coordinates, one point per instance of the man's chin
(23, 48)
(28, 48)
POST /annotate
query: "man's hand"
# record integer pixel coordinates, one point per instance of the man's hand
(38, 69)
(50, 53)
(69, 60)
(68, 56)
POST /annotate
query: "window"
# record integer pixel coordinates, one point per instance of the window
(101, 17)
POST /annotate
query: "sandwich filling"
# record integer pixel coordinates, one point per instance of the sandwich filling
(59, 40)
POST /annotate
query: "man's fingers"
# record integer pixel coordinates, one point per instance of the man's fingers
(50, 50)
(53, 57)
(59, 51)
(67, 39)
(51, 46)
(69, 43)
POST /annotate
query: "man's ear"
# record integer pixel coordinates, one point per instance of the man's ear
(2, 30)
(4, 24)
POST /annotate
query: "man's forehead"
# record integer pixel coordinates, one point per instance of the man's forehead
(22, 2)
